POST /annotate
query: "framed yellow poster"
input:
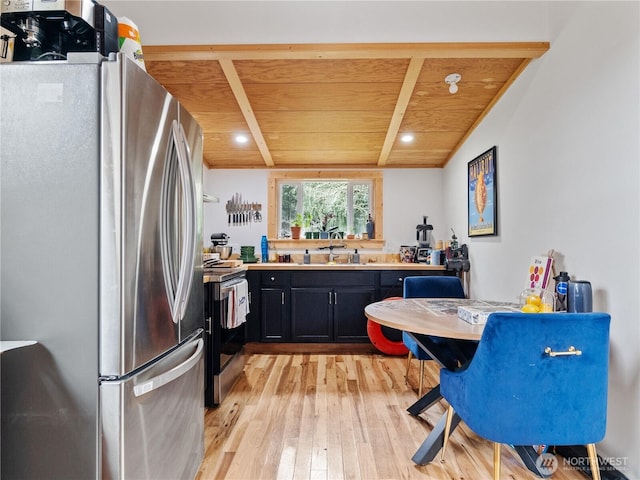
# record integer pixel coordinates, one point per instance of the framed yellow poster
(482, 192)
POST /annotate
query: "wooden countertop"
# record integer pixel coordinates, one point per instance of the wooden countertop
(337, 266)
(345, 266)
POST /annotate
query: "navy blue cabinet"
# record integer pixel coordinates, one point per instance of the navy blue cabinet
(275, 306)
(328, 306)
(321, 306)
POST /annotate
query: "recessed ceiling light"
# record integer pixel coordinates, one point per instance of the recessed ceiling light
(241, 139)
(406, 138)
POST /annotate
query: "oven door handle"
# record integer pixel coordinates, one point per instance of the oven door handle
(226, 287)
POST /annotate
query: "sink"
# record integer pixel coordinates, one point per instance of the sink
(328, 264)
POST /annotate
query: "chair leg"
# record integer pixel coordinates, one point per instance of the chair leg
(593, 461)
(420, 385)
(447, 431)
(496, 461)
(406, 375)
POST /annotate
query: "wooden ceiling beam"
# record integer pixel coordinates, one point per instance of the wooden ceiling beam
(410, 79)
(345, 51)
(243, 102)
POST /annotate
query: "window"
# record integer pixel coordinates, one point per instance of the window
(336, 201)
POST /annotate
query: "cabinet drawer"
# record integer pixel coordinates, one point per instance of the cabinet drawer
(332, 278)
(394, 278)
(275, 278)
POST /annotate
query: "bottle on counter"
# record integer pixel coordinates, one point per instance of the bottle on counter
(307, 257)
(264, 243)
(356, 257)
(371, 233)
(561, 291)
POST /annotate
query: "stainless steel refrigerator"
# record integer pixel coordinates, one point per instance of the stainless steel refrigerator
(101, 264)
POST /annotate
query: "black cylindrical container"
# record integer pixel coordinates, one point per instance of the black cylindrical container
(579, 296)
(561, 291)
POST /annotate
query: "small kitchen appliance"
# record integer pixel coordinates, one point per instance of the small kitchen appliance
(219, 242)
(457, 259)
(50, 29)
(423, 236)
(219, 239)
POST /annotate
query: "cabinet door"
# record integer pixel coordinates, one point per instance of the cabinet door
(274, 315)
(311, 314)
(349, 320)
(254, 319)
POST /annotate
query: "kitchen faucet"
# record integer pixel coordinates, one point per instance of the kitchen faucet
(331, 246)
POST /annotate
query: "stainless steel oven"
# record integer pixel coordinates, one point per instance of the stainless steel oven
(224, 356)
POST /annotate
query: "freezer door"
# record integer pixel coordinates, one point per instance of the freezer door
(149, 219)
(153, 423)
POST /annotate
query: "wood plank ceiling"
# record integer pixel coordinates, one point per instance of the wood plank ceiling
(337, 105)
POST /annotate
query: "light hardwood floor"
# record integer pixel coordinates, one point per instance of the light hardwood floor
(338, 416)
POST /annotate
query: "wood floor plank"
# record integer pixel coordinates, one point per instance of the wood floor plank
(339, 416)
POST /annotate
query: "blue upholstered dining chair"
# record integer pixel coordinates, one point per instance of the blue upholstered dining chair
(427, 287)
(535, 379)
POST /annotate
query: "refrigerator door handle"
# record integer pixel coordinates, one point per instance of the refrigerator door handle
(170, 375)
(187, 263)
(178, 214)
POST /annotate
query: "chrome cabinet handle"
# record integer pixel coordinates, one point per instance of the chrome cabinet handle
(273, 279)
(335, 298)
(330, 301)
(572, 351)
(282, 297)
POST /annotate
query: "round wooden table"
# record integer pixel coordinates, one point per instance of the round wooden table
(428, 316)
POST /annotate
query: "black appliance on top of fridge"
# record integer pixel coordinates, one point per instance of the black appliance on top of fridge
(49, 29)
(101, 252)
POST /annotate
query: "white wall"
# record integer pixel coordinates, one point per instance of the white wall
(568, 177)
(252, 185)
(408, 195)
